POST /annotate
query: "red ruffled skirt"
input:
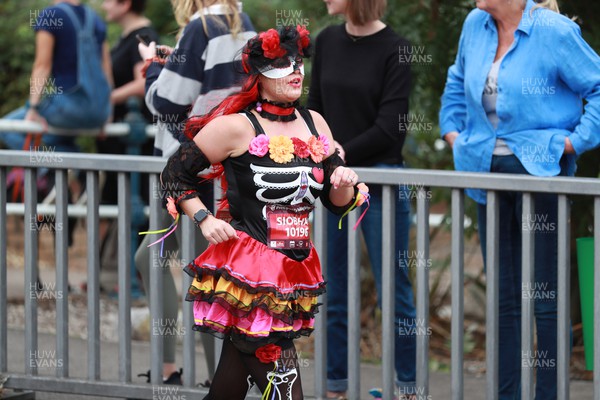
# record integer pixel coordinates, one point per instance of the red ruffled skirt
(244, 287)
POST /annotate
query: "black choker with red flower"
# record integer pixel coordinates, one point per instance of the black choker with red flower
(277, 111)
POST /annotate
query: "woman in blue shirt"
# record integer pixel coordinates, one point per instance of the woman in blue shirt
(55, 70)
(513, 103)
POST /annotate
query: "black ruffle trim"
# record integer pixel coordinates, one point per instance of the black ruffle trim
(232, 331)
(196, 271)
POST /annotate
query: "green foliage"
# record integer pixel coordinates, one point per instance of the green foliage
(433, 29)
(587, 15)
(17, 49)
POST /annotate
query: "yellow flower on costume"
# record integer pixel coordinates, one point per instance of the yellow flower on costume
(281, 149)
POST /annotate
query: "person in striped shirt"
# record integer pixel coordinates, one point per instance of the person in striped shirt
(194, 77)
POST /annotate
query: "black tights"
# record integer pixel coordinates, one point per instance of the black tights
(237, 368)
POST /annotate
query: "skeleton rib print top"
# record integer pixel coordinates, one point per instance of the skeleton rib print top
(269, 200)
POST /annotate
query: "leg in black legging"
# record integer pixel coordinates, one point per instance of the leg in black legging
(235, 366)
(286, 382)
(231, 378)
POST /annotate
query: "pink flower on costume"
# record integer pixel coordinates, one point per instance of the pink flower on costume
(171, 208)
(259, 146)
(325, 141)
(300, 148)
(316, 148)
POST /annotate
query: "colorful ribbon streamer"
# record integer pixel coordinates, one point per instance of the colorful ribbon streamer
(269, 389)
(169, 231)
(366, 196)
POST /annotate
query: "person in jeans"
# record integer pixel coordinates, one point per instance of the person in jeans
(128, 80)
(513, 104)
(128, 84)
(55, 73)
(54, 69)
(362, 91)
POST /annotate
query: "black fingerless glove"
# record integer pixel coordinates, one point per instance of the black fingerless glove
(179, 178)
(329, 165)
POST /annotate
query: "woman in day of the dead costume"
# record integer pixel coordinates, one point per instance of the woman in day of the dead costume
(257, 284)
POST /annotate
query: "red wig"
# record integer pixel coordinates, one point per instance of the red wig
(232, 104)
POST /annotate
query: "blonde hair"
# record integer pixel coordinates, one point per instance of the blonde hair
(184, 9)
(549, 4)
(360, 12)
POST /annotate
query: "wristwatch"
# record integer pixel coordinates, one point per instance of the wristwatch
(201, 215)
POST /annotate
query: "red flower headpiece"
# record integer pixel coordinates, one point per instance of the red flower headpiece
(274, 47)
(270, 44)
(303, 40)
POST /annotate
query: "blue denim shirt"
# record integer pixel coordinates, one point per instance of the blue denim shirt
(542, 81)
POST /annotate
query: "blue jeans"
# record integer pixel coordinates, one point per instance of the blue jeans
(16, 140)
(337, 283)
(544, 290)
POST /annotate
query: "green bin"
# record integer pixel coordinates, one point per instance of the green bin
(585, 258)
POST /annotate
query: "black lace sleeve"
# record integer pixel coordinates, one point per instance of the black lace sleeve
(180, 178)
(329, 165)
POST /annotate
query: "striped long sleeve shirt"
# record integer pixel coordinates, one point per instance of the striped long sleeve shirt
(198, 75)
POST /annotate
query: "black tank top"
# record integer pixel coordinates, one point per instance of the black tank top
(254, 182)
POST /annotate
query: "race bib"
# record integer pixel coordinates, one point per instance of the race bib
(288, 227)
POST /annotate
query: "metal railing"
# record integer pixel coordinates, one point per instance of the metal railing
(134, 132)
(457, 182)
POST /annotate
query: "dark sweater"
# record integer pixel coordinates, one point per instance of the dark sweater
(362, 90)
(124, 56)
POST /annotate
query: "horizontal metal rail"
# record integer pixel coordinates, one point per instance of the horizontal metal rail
(115, 129)
(417, 178)
(73, 210)
(101, 388)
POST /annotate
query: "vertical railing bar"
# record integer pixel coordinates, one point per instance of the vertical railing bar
(3, 274)
(31, 271)
(320, 236)
(564, 285)
(353, 308)
(458, 279)
(156, 288)
(62, 272)
(93, 272)
(388, 266)
(527, 296)
(423, 290)
(124, 275)
(597, 298)
(188, 239)
(492, 329)
(218, 195)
